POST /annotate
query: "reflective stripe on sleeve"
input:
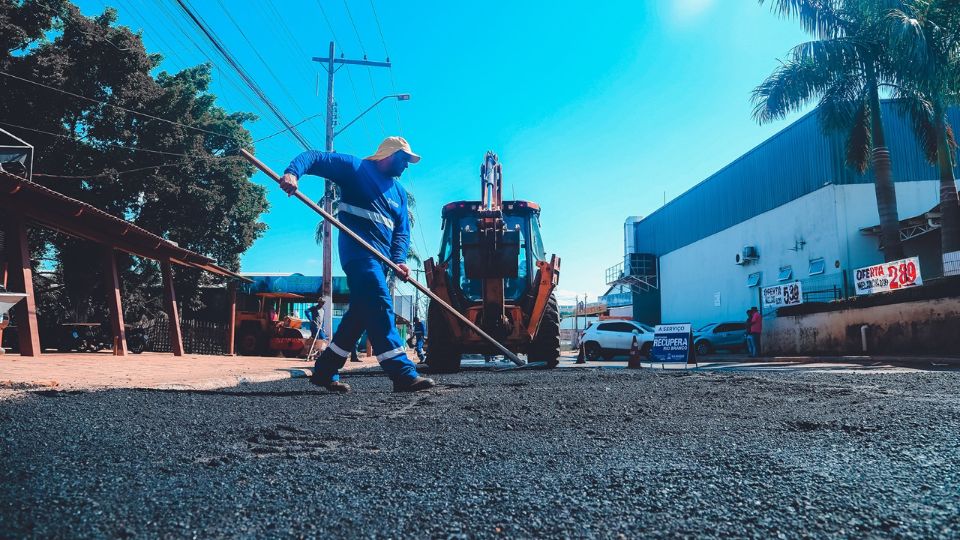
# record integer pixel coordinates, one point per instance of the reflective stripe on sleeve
(366, 214)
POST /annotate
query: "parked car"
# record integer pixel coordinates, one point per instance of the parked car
(731, 336)
(605, 339)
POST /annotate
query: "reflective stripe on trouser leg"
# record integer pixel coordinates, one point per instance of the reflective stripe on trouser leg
(368, 287)
(344, 340)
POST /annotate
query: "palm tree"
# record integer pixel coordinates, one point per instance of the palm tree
(844, 68)
(925, 37)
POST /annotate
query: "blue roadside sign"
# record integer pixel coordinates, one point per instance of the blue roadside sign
(672, 343)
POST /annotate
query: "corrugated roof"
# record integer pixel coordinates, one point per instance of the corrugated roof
(57, 211)
(798, 160)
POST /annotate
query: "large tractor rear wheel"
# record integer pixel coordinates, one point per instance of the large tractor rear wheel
(546, 344)
(443, 355)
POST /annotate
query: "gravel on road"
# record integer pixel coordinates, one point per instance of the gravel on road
(563, 453)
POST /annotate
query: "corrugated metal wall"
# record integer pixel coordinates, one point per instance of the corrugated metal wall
(797, 161)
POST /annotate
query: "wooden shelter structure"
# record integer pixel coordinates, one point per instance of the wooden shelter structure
(24, 202)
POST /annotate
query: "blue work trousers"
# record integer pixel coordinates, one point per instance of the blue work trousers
(419, 341)
(371, 309)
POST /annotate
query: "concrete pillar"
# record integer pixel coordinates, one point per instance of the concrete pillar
(112, 286)
(170, 306)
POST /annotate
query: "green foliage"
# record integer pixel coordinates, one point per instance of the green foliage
(843, 69)
(191, 188)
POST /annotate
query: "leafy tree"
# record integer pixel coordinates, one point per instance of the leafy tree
(183, 184)
(844, 68)
(925, 39)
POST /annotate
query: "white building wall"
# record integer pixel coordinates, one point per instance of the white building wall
(701, 283)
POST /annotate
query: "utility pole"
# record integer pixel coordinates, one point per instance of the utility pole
(416, 292)
(329, 64)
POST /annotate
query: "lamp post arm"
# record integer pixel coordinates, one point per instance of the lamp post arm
(370, 108)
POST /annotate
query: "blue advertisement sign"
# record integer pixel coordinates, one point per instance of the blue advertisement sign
(671, 343)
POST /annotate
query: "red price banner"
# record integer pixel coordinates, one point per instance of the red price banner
(890, 276)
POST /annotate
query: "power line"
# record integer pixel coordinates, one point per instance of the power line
(218, 45)
(108, 143)
(356, 31)
(393, 84)
(117, 173)
(353, 86)
(131, 111)
(253, 47)
(373, 88)
(379, 29)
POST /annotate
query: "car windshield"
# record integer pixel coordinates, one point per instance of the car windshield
(707, 327)
(646, 327)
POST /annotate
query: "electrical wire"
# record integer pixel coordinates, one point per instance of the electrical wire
(130, 111)
(247, 79)
(396, 105)
(119, 145)
(117, 173)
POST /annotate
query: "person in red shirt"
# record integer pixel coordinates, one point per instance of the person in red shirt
(754, 329)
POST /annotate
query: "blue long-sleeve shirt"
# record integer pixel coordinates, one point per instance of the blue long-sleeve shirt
(373, 205)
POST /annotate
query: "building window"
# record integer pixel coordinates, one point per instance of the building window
(754, 279)
(785, 274)
(817, 267)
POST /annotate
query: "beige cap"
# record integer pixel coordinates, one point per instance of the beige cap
(392, 145)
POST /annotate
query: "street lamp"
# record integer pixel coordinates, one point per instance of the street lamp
(398, 97)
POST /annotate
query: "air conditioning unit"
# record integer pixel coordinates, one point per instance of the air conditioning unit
(738, 259)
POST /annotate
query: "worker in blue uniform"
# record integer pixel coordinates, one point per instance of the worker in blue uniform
(419, 332)
(373, 205)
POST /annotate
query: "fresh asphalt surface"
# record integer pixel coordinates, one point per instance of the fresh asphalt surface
(516, 454)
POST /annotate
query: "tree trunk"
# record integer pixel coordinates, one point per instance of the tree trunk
(883, 182)
(949, 205)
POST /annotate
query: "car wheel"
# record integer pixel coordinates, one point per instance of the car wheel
(703, 348)
(645, 350)
(592, 351)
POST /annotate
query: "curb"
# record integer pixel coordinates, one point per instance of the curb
(924, 361)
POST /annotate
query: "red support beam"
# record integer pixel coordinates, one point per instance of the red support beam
(231, 317)
(112, 286)
(170, 305)
(21, 280)
(3, 282)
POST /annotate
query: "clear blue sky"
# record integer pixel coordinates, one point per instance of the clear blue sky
(597, 109)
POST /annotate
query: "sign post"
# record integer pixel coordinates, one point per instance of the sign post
(889, 276)
(673, 345)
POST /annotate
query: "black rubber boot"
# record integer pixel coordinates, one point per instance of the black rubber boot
(318, 380)
(416, 385)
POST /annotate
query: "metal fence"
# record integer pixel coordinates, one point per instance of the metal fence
(199, 337)
(816, 289)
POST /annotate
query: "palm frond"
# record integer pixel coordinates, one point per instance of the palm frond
(789, 88)
(836, 53)
(919, 110)
(906, 36)
(822, 18)
(840, 103)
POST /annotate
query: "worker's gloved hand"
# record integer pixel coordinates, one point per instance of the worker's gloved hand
(288, 184)
(404, 273)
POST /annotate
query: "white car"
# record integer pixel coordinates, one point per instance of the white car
(605, 339)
